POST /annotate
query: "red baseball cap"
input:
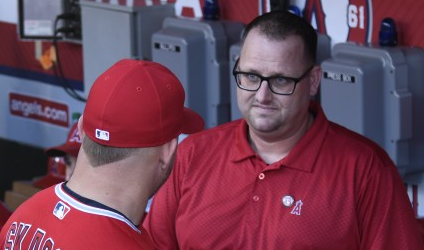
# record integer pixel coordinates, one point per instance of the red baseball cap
(71, 146)
(138, 103)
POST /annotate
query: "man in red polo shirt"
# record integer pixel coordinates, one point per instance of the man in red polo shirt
(284, 177)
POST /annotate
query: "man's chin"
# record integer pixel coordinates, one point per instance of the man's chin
(262, 125)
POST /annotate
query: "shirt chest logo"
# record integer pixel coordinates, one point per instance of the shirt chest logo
(297, 208)
(288, 201)
(61, 210)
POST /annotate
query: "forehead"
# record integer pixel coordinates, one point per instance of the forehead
(261, 53)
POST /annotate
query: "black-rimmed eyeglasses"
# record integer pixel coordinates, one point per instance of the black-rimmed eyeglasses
(280, 85)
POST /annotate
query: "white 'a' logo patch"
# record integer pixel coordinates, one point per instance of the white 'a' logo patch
(297, 208)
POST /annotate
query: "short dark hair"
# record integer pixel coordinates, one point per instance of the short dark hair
(98, 154)
(280, 24)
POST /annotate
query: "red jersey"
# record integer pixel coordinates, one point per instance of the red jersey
(4, 214)
(57, 218)
(335, 190)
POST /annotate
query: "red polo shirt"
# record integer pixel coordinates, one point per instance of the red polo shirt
(335, 190)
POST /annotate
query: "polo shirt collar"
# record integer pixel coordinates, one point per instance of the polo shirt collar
(242, 149)
(302, 157)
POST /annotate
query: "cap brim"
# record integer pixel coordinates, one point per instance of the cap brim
(192, 123)
(62, 150)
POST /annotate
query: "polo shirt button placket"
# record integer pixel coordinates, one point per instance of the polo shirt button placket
(261, 176)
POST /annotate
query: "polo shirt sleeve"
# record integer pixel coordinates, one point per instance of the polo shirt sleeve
(386, 219)
(160, 221)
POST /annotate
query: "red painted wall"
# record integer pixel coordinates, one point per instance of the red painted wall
(407, 14)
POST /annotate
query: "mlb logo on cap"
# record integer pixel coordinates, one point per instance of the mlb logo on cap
(102, 135)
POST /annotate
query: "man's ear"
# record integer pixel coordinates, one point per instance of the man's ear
(81, 132)
(168, 152)
(315, 80)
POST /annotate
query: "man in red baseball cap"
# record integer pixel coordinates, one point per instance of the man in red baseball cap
(129, 129)
(69, 150)
(62, 159)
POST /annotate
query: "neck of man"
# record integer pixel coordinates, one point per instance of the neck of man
(116, 185)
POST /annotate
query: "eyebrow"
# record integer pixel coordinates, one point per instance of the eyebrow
(270, 76)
